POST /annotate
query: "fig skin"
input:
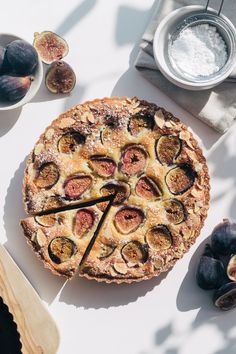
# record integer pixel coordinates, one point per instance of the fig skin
(2, 57)
(22, 57)
(60, 78)
(210, 272)
(225, 297)
(223, 238)
(50, 46)
(14, 88)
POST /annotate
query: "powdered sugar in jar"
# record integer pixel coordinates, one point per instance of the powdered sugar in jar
(199, 51)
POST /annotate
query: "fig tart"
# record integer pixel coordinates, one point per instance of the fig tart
(117, 190)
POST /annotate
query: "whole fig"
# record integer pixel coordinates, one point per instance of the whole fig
(22, 57)
(210, 273)
(13, 88)
(223, 238)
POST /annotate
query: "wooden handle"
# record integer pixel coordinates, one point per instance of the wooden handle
(38, 331)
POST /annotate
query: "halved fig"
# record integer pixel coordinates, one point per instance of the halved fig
(133, 160)
(180, 178)
(128, 219)
(50, 46)
(48, 175)
(159, 238)
(75, 186)
(46, 220)
(61, 249)
(231, 268)
(140, 122)
(53, 202)
(60, 77)
(84, 220)
(106, 250)
(103, 166)
(120, 267)
(69, 142)
(168, 148)
(175, 211)
(134, 253)
(147, 188)
(121, 189)
(225, 296)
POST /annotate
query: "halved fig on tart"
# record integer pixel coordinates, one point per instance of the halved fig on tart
(69, 142)
(61, 249)
(75, 186)
(47, 175)
(134, 253)
(175, 211)
(128, 219)
(180, 178)
(159, 238)
(140, 122)
(168, 148)
(121, 189)
(133, 160)
(147, 188)
(103, 166)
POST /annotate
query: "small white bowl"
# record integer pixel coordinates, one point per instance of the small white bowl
(178, 19)
(5, 39)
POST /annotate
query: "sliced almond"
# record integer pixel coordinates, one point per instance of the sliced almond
(66, 122)
(38, 149)
(49, 134)
(159, 118)
(41, 238)
(87, 117)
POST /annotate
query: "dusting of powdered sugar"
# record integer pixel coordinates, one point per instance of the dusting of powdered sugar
(199, 50)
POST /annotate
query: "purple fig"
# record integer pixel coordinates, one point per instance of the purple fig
(22, 57)
(60, 77)
(13, 88)
(2, 55)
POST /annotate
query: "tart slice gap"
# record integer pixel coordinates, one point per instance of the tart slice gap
(62, 238)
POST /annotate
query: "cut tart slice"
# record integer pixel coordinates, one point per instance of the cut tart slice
(146, 156)
(60, 239)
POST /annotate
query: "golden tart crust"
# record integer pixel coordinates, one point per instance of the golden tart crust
(149, 158)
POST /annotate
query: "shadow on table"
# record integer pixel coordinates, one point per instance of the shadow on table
(8, 119)
(75, 16)
(45, 283)
(91, 294)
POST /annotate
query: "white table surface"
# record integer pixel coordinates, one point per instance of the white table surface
(169, 314)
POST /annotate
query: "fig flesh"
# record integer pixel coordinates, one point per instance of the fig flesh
(121, 189)
(106, 250)
(134, 253)
(50, 46)
(83, 221)
(69, 142)
(47, 176)
(133, 160)
(22, 57)
(159, 238)
(128, 219)
(76, 186)
(175, 211)
(168, 148)
(60, 77)
(225, 296)
(140, 122)
(103, 166)
(147, 188)
(210, 272)
(61, 249)
(180, 178)
(46, 220)
(223, 238)
(231, 268)
(13, 88)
